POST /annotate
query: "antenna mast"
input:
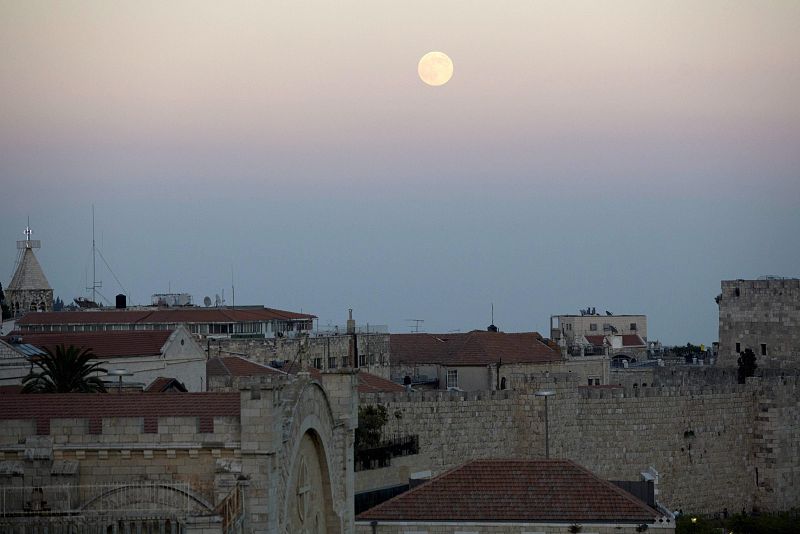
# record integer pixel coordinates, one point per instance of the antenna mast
(416, 325)
(95, 283)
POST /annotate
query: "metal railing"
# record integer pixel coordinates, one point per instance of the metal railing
(102, 499)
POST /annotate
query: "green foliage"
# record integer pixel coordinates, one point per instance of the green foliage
(371, 420)
(575, 528)
(747, 365)
(67, 371)
(58, 304)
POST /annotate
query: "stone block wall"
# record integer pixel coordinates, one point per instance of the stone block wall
(715, 445)
(752, 312)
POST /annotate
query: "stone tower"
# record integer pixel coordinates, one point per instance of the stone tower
(29, 289)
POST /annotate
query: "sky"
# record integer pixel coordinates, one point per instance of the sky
(624, 155)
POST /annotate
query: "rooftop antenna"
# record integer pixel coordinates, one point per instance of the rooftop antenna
(416, 325)
(492, 313)
(233, 291)
(95, 284)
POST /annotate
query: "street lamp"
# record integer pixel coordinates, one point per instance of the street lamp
(546, 393)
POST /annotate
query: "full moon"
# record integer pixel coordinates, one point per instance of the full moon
(435, 68)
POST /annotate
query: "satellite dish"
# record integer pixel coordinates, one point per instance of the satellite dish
(207, 301)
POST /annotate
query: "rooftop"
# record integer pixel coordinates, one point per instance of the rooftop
(164, 315)
(106, 344)
(29, 274)
(515, 490)
(237, 366)
(473, 348)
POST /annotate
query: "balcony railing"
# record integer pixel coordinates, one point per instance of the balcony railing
(381, 456)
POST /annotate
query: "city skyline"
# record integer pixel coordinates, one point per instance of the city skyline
(626, 156)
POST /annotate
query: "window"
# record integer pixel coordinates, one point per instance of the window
(568, 326)
(763, 349)
(633, 327)
(593, 381)
(318, 363)
(362, 360)
(593, 327)
(332, 362)
(738, 347)
(452, 378)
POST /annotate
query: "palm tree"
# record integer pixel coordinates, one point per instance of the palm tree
(66, 371)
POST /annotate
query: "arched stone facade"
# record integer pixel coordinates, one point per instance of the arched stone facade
(316, 447)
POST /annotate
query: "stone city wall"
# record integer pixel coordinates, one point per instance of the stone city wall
(715, 446)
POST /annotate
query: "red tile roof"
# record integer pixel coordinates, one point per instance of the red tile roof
(163, 384)
(42, 407)
(236, 366)
(597, 341)
(369, 383)
(169, 315)
(106, 344)
(294, 368)
(632, 340)
(474, 348)
(515, 490)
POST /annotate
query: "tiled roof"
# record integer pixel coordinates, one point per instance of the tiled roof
(369, 383)
(169, 315)
(106, 344)
(42, 407)
(236, 366)
(29, 274)
(597, 341)
(162, 384)
(515, 490)
(473, 348)
(632, 340)
(294, 368)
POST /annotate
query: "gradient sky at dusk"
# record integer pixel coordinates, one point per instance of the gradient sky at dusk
(622, 155)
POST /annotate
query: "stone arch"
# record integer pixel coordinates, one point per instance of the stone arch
(166, 498)
(311, 437)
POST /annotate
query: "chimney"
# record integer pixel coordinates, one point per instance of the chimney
(351, 324)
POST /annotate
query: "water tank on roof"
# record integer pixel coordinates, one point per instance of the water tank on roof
(122, 301)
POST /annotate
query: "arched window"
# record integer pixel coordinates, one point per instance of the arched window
(32, 306)
(503, 383)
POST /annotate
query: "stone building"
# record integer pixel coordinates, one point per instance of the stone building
(483, 360)
(273, 456)
(762, 315)
(567, 330)
(144, 354)
(251, 322)
(516, 497)
(29, 289)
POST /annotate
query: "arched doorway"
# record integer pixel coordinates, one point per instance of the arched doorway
(310, 509)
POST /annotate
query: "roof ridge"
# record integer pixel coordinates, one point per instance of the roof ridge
(417, 488)
(615, 488)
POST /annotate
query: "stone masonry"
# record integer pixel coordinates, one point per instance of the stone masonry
(715, 445)
(762, 315)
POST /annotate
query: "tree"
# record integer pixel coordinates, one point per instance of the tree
(371, 420)
(747, 365)
(68, 370)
